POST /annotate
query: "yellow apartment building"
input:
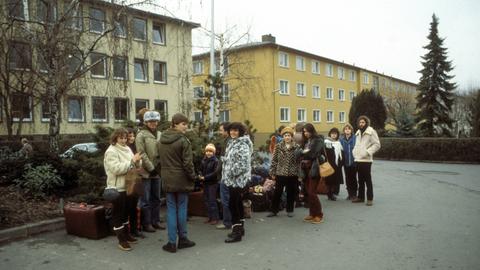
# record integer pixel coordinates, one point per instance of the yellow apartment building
(144, 62)
(272, 85)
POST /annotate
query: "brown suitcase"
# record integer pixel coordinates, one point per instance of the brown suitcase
(196, 205)
(85, 220)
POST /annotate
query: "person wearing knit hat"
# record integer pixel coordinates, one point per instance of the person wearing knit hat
(287, 130)
(208, 174)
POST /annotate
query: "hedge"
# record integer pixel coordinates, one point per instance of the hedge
(430, 149)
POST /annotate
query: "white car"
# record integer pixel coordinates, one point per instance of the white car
(81, 147)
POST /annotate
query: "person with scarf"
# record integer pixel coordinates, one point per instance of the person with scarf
(334, 151)
(348, 142)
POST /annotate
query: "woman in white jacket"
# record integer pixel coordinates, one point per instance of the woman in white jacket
(118, 160)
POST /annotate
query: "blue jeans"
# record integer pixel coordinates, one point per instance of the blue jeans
(177, 203)
(225, 197)
(210, 199)
(150, 201)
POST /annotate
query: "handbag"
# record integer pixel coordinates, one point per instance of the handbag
(110, 194)
(133, 183)
(325, 168)
(322, 186)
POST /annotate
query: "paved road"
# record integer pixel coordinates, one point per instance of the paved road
(425, 216)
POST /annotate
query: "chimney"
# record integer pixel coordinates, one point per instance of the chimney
(268, 38)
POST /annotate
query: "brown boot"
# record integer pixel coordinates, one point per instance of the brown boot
(149, 228)
(358, 200)
(122, 240)
(158, 226)
(128, 236)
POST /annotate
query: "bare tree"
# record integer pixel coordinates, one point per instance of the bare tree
(400, 111)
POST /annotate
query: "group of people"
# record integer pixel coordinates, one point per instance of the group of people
(165, 162)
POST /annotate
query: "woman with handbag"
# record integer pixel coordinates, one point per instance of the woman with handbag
(311, 157)
(134, 190)
(333, 149)
(118, 161)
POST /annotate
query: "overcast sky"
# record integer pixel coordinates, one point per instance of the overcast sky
(384, 36)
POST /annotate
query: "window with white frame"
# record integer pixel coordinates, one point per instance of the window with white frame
(341, 117)
(329, 94)
(301, 89)
(46, 11)
(365, 78)
(45, 111)
(141, 70)
(76, 109)
(99, 65)
(352, 76)
(329, 70)
(41, 64)
(139, 29)
(74, 62)
(161, 106)
(120, 68)
(284, 114)
(284, 87)
(330, 117)
(19, 55)
(316, 116)
(316, 91)
(23, 107)
(97, 20)
(283, 59)
(1, 111)
(225, 93)
(120, 109)
(198, 117)
(198, 92)
(197, 67)
(140, 104)
(341, 73)
(301, 115)
(159, 72)
(17, 9)
(221, 68)
(73, 11)
(224, 116)
(120, 25)
(341, 94)
(158, 35)
(315, 67)
(352, 95)
(99, 109)
(300, 63)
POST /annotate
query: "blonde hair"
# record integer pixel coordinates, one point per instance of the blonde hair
(347, 125)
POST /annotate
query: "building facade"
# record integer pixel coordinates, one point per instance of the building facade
(272, 85)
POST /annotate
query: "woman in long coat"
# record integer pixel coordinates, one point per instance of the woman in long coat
(333, 148)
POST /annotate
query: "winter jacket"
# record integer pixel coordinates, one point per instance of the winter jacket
(285, 161)
(147, 143)
(334, 152)
(176, 162)
(208, 170)
(117, 162)
(236, 164)
(347, 145)
(366, 145)
(315, 156)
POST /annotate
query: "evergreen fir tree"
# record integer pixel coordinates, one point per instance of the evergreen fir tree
(435, 97)
(371, 104)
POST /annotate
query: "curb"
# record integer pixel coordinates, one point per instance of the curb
(31, 229)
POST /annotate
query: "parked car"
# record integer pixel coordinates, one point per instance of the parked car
(90, 148)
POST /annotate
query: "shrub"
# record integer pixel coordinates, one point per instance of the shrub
(39, 181)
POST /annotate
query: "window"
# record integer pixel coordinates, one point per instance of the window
(283, 59)
(221, 69)
(18, 9)
(198, 117)
(301, 115)
(158, 34)
(315, 67)
(352, 95)
(224, 116)
(284, 114)
(141, 70)
(301, 90)
(198, 92)
(365, 78)
(161, 106)
(316, 116)
(74, 62)
(284, 87)
(46, 11)
(99, 109)
(19, 55)
(120, 25)
(329, 70)
(159, 72)
(341, 117)
(316, 91)
(225, 93)
(329, 93)
(341, 73)
(45, 111)
(341, 94)
(76, 109)
(73, 14)
(1, 111)
(197, 67)
(120, 68)
(99, 69)
(120, 109)
(300, 63)
(330, 116)
(139, 29)
(140, 104)
(41, 64)
(97, 20)
(22, 109)
(353, 76)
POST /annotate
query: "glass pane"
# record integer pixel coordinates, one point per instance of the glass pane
(97, 18)
(139, 29)
(119, 68)
(99, 108)
(158, 36)
(75, 109)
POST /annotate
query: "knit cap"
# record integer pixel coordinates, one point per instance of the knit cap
(287, 130)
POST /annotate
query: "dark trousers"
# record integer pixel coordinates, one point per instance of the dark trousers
(313, 201)
(132, 202)
(291, 185)
(210, 199)
(365, 178)
(119, 210)
(351, 180)
(235, 204)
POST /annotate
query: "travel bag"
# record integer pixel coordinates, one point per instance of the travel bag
(85, 220)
